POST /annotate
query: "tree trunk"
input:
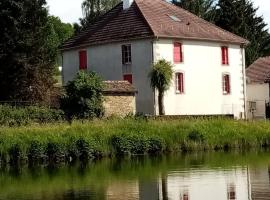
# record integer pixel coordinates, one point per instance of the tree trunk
(160, 103)
(164, 187)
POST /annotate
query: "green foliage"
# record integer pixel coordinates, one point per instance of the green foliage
(83, 98)
(100, 138)
(26, 57)
(15, 116)
(202, 8)
(160, 79)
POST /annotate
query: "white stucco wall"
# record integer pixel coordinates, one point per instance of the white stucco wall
(106, 60)
(258, 93)
(203, 71)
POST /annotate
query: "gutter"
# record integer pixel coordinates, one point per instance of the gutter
(244, 81)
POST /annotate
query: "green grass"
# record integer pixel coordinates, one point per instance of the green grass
(101, 138)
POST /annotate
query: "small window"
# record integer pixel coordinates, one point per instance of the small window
(225, 55)
(177, 52)
(179, 82)
(83, 60)
(226, 85)
(174, 18)
(128, 77)
(126, 54)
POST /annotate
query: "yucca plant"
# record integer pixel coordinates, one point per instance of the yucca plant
(161, 78)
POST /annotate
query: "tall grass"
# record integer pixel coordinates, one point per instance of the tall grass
(63, 142)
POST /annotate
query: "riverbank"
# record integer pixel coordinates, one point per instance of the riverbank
(63, 142)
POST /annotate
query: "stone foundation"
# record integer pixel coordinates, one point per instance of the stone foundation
(119, 104)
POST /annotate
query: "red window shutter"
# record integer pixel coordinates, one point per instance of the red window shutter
(177, 52)
(83, 60)
(180, 82)
(225, 55)
(128, 77)
(226, 84)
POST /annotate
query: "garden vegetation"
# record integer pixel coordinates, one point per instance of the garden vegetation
(63, 142)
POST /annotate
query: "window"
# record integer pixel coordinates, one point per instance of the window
(177, 53)
(126, 54)
(83, 60)
(128, 77)
(179, 82)
(225, 55)
(226, 84)
(174, 18)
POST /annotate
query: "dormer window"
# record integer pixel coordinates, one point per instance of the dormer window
(174, 18)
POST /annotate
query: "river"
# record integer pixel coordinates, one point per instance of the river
(193, 176)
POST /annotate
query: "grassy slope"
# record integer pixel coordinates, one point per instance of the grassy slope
(104, 137)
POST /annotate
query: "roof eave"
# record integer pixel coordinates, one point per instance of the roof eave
(243, 43)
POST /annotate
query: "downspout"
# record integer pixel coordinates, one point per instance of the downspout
(244, 81)
(154, 90)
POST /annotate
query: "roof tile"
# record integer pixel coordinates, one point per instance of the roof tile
(147, 19)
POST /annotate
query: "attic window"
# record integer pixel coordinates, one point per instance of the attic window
(174, 18)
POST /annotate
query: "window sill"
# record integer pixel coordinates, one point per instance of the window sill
(179, 93)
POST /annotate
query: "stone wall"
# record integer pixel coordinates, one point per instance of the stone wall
(119, 104)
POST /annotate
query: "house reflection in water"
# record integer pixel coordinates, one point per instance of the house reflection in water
(240, 183)
(231, 192)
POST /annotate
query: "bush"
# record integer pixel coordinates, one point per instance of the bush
(83, 99)
(16, 116)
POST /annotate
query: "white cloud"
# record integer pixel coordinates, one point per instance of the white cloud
(264, 9)
(68, 10)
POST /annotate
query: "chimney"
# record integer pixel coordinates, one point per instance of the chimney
(127, 4)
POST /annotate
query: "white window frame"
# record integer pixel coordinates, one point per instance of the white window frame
(224, 84)
(177, 90)
(126, 54)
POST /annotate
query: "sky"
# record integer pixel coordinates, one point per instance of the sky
(70, 10)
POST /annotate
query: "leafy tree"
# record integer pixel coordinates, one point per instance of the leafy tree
(59, 32)
(240, 17)
(83, 98)
(26, 59)
(202, 8)
(161, 77)
(63, 31)
(93, 9)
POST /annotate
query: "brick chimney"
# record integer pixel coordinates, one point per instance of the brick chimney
(127, 4)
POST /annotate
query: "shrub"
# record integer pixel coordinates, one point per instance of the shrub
(15, 116)
(83, 99)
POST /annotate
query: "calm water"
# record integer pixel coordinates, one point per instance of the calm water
(198, 176)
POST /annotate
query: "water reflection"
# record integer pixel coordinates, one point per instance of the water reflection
(199, 176)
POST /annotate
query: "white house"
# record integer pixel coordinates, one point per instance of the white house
(209, 62)
(258, 78)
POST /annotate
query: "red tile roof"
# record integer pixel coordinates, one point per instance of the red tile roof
(150, 18)
(259, 71)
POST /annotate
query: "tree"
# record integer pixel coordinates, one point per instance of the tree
(202, 8)
(26, 60)
(59, 32)
(160, 78)
(83, 98)
(93, 9)
(63, 30)
(240, 17)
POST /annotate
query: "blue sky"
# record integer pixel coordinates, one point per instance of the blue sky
(70, 10)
